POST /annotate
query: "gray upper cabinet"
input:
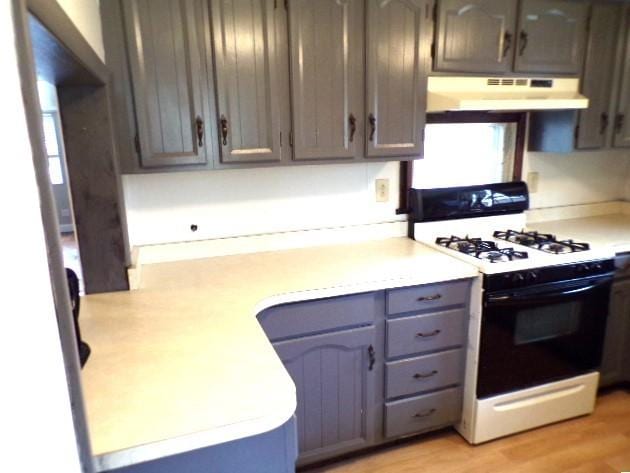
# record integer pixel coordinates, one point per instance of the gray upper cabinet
(247, 80)
(475, 36)
(622, 118)
(551, 36)
(595, 122)
(397, 64)
(335, 386)
(326, 47)
(168, 81)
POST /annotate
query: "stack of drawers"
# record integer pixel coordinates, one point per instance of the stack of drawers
(425, 332)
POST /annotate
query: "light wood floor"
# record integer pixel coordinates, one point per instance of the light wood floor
(599, 443)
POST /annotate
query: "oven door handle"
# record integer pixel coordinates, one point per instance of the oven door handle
(542, 297)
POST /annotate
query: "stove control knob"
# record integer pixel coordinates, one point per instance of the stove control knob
(531, 276)
(597, 266)
(583, 268)
(518, 278)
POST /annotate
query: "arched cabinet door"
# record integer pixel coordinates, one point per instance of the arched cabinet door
(334, 381)
(327, 72)
(168, 81)
(398, 61)
(475, 35)
(551, 36)
(249, 79)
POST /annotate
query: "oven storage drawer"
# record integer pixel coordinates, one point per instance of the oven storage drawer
(320, 315)
(424, 333)
(423, 412)
(417, 298)
(424, 373)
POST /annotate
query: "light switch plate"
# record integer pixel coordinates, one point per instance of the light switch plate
(382, 190)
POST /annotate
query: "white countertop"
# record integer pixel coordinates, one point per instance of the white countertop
(603, 230)
(182, 363)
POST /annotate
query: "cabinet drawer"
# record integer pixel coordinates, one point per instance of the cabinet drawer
(423, 412)
(413, 299)
(424, 373)
(302, 318)
(423, 333)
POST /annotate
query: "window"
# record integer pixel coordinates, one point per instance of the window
(462, 154)
(53, 151)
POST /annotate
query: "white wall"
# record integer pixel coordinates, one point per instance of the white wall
(578, 178)
(36, 422)
(87, 17)
(161, 207)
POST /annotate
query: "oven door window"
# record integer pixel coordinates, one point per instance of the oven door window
(547, 322)
(529, 340)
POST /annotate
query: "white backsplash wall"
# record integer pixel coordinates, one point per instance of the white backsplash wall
(578, 178)
(162, 207)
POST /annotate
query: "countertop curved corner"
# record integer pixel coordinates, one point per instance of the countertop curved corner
(182, 363)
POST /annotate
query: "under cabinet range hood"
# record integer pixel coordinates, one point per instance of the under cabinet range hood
(497, 94)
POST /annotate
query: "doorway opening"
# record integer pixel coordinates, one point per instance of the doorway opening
(58, 175)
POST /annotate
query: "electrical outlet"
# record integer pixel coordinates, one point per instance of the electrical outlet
(382, 190)
(532, 182)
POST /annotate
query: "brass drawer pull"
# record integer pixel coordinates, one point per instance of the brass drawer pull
(425, 375)
(426, 413)
(430, 334)
(434, 297)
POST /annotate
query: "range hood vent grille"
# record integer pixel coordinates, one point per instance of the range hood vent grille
(517, 82)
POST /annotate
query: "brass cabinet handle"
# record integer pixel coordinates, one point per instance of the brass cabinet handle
(425, 375)
(199, 123)
(523, 39)
(372, 357)
(353, 126)
(603, 123)
(224, 129)
(372, 120)
(619, 122)
(434, 297)
(429, 334)
(427, 413)
(507, 43)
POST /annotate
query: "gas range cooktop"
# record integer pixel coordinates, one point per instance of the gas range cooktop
(477, 224)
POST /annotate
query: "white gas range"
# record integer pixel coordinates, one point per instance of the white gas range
(538, 311)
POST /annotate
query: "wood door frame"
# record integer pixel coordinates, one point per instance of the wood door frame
(85, 81)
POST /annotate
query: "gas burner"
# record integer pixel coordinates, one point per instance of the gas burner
(482, 249)
(541, 241)
(502, 254)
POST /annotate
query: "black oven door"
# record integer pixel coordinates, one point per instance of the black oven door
(543, 333)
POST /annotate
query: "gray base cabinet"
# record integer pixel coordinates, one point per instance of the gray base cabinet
(270, 452)
(334, 379)
(369, 368)
(616, 356)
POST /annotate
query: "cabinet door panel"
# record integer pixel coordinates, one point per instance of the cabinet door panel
(597, 78)
(327, 77)
(475, 36)
(246, 80)
(397, 47)
(551, 36)
(617, 341)
(622, 119)
(167, 79)
(334, 386)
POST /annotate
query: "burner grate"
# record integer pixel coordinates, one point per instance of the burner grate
(482, 249)
(541, 241)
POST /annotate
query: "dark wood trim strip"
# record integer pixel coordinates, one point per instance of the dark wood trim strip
(61, 26)
(519, 147)
(406, 173)
(26, 64)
